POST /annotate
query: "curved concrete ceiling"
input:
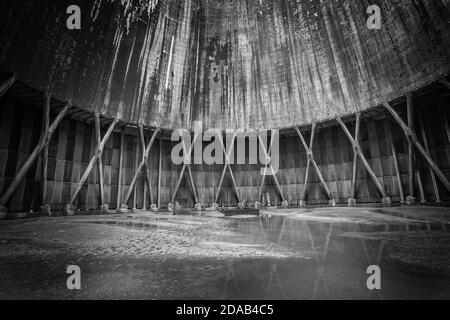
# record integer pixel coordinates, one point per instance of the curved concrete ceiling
(231, 64)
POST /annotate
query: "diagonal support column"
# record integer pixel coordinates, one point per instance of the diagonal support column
(390, 140)
(427, 149)
(420, 185)
(187, 166)
(411, 169)
(147, 183)
(270, 166)
(146, 170)
(143, 164)
(308, 164)
(352, 200)
(5, 85)
(264, 174)
(40, 179)
(160, 170)
(45, 154)
(136, 164)
(43, 143)
(121, 156)
(446, 124)
(99, 160)
(97, 155)
(357, 149)
(445, 83)
(312, 161)
(226, 167)
(411, 136)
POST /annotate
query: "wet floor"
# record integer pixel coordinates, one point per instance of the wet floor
(290, 254)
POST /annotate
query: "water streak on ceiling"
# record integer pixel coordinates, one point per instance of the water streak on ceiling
(228, 63)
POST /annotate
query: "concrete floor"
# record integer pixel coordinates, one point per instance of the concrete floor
(284, 254)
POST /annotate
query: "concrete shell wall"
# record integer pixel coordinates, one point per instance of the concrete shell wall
(245, 63)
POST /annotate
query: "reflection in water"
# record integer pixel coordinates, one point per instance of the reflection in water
(337, 265)
(231, 283)
(301, 256)
(274, 277)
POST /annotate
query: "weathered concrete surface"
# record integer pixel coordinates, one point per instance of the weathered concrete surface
(285, 254)
(245, 64)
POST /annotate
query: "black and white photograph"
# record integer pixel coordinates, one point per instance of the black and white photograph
(245, 152)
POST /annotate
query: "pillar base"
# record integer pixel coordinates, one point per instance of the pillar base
(387, 202)
(198, 207)
(285, 204)
(332, 203)
(46, 210)
(215, 206)
(170, 207)
(69, 210)
(258, 205)
(410, 200)
(303, 203)
(351, 202)
(104, 209)
(154, 208)
(242, 205)
(3, 212)
(123, 209)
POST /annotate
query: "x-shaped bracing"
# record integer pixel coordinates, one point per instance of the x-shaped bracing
(269, 165)
(186, 165)
(274, 275)
(227, 166)
(98, 154)
(143, 166)
(43, 144)
(357, 150)
(311, 160)
(321, 260)
(412, 138)
(5, 85)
